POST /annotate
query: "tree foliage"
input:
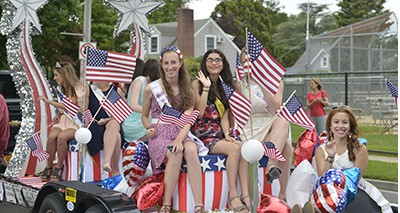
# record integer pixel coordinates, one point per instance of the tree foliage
(352, 11)
(167, 13)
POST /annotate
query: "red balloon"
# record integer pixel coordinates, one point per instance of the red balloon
(271, 204)
(305, 146)
(149, 192)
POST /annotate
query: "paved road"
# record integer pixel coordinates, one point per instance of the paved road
(14, 208)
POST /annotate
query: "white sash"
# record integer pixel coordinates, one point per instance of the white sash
(376, 195)
(162, 99)
(99, 95)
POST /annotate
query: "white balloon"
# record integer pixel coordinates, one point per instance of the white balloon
(83, 135)
(252, 150)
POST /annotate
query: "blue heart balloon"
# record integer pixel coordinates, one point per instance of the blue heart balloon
(352, 177)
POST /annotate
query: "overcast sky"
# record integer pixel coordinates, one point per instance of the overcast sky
(203, 8)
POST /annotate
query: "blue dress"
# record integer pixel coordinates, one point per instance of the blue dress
(132, 125)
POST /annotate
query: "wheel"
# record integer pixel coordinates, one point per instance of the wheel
(53, 203)
(97, 208)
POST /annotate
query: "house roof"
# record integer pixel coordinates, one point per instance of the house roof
(372, 25)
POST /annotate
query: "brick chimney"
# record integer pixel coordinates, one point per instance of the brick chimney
(186, 31)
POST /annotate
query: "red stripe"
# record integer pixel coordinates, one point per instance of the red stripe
(203, 184)
(217, 189)
(182, 187)
(327, 196)
(96, 167)
(67, 166)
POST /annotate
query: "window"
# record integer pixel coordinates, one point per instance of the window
(325, 61)
(154, 44)
(210, 42)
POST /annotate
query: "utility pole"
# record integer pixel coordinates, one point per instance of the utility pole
(87, 19)
(308, 66)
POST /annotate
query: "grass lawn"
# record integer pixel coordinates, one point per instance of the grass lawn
(376, 141)
(381, 171)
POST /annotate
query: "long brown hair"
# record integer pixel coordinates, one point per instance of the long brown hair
(225, 74)
(352, 140)
(187, 98)
(70, 79)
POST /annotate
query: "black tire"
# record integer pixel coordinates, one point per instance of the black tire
(53, 203)
(97, 208)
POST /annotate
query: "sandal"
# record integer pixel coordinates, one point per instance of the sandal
(166, 208)
(57, 173)
(46, 174)
(273, 174)
(241, 208)
(242, 198)
(199, 209)
(106, 167)
(308, 207)
(297, 209)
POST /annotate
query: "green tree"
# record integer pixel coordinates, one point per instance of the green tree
(50, 46)
(352, 11)
(167, 13)
(233, 16)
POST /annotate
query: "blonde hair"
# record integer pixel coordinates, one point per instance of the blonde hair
(317, 82)
(68, 74)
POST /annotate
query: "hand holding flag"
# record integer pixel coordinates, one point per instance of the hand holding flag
(175, 116)
(294, 112)
(116, 106)
(70, 107)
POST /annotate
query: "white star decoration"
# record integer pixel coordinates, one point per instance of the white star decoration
(26, 9)
(134, 11)
(220, 163)
(205, 164)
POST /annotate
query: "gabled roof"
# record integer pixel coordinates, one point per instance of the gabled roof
(372, 25)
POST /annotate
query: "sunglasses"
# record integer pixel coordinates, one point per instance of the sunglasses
(340, 107)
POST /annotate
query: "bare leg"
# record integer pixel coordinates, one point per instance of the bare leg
(62, 145)
(51, 146)
(194, 171)
(232, 151)
(172, 171)
(244, 180)
(111, 142)
(285, 167)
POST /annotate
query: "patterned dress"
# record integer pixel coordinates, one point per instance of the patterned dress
(208, 128)
(165, 135)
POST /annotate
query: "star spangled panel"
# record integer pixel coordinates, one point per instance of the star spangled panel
(293, 112)
(109, 66)
(393, 90)
(175, 116)
(116, 106)
(35, 143)
(267, 71)
(272, 152)
(71, 108)
(239, 104)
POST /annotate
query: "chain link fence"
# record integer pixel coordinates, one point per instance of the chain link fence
(369, 97)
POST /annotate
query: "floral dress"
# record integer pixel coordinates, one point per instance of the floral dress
(208, 128)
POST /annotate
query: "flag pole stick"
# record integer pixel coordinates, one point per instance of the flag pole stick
(101, 104)
(248, 78)
(284, 104)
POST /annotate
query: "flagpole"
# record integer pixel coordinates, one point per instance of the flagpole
(101, 104)
(248, 79)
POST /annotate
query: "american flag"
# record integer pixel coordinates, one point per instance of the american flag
(87, 117)
(175, 116)
(393, 90)
(137, 47)
(242, 70)
(239, 104)
(294, 112)
(35, 143)
(109, 66)
(272, 152)
(71, 108)
(116, 106)
(266, 71)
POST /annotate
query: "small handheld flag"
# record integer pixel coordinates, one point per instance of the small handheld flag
(294, 112)
(35, 144)
(175, 116)
(393, 90)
